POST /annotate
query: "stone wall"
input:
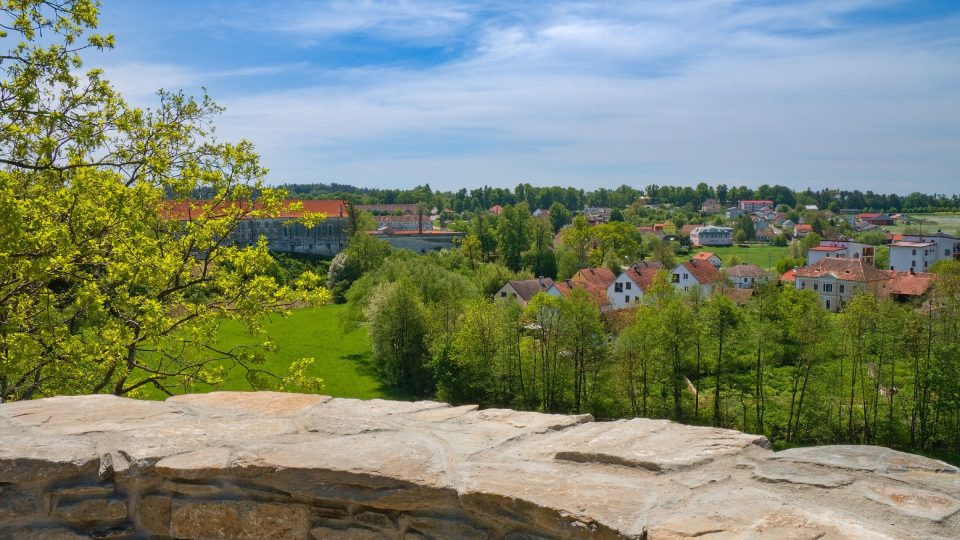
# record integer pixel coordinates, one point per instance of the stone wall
(269, 465)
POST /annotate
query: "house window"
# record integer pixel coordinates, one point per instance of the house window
(816, 286)
(913, 264)
(628, 298)
(629, 286)
(827, 303)
(828, 287)
(914, 252)
(686, 277)
(503, 294)
(676, 278)
(841, 289)
(618, 287)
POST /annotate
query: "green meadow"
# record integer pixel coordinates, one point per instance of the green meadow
(762, 255)
(341, 359)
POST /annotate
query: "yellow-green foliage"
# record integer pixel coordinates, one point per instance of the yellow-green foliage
(106, 284)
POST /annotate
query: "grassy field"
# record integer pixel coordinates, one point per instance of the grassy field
(342, 360)
(761, 255)
(929, 223)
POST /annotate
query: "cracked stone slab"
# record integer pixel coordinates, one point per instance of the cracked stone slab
(305, 466)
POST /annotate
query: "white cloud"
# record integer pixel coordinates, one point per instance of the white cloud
(601, 94)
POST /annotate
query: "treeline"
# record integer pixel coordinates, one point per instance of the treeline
(878, 373)
(574, 199)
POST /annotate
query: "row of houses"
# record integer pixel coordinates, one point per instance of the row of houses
(626, 289)
(837, 280)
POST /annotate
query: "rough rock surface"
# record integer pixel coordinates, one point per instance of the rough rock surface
(269, 465)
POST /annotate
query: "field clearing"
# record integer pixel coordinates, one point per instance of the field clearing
(762, 255)
(929, 223)
(341, 359)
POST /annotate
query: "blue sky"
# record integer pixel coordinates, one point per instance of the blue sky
(832, 93)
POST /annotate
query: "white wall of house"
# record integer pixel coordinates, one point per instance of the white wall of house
(919, 259)
(507, 292)
(916, 258)
(684, 281)
(749, 282)
(623, 292)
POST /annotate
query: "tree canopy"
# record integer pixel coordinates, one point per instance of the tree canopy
(110, 277)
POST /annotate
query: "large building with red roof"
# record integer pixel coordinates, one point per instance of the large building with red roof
(283, 232)
(837, 281)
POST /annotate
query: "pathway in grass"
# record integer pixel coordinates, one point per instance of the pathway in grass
(341, 359)
(761, 255)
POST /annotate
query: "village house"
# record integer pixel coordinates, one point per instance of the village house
(836, 281)
(541, 212)
(596, 281)
(695, 273)
(629, 287)
(917, 252)
(753, 206)
(496, 210)
(802, 229)
(711, 206)
(840, 249)
(597, 214)
(711, 236)
(909, 286)
(880, 220)
(747, 276)
(522, 291)
(734, 212)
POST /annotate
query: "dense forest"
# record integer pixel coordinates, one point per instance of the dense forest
(622, 197)
(880, 372)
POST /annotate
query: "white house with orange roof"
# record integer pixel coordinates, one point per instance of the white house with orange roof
(630, 286)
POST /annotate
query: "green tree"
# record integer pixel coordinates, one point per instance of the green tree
(108, 285)
(559, 215)
(513, 235)
(578, 238)
(540, 258)
(398, 332)
(719, 319)
(583, 330)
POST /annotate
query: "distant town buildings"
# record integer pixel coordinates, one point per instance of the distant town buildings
(711, 206)
(711, 236)
(754, 206)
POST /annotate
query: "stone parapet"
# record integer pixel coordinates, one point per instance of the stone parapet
(271, 465)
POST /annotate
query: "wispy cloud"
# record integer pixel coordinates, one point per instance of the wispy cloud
(601, 93)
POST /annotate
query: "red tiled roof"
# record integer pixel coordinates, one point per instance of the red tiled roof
(803, 227)
(790, 276)
(826, 248)
(867, 216)
(843, 269)
(704, 256)
(595, 281)
(496, 209)
(704, 272)
(642, 273)
(907, 284)
(689, 227)
(190, 209)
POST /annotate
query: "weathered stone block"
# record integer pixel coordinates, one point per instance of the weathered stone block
(238, 520)
(91, 512)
